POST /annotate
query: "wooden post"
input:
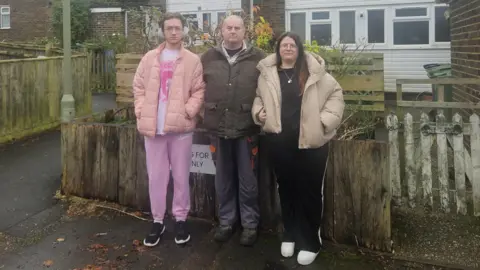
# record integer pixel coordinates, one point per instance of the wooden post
(442, 159)
(426, 145)
(459, 163)
(362, 194)
(410, 160)
(394, 158)
(475, 150)
(399, 109)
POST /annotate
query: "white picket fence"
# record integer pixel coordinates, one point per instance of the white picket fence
(445, 134)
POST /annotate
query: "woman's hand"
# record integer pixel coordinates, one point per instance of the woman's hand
(262, 116)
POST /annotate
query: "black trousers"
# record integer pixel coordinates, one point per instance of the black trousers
(300, 174)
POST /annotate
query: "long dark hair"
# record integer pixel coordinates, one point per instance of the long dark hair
(301, 66)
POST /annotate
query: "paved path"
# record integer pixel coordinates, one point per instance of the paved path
(30, 172)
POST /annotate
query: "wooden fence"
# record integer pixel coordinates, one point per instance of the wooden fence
(19, 51)
(31, 91)
(103, 73)
(449, 188)
(362, 78)
(112, 167)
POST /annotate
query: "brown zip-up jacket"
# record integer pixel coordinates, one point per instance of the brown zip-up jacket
(230, 91)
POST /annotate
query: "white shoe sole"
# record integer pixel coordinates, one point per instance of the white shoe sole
(287, 249)
(181, 242)
(156, 242)
(306, 258)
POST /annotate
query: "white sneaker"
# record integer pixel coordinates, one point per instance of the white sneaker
(287, 249)
(306, 257)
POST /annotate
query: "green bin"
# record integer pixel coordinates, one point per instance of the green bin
(440, 71)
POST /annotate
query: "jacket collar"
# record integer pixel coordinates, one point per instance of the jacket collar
(162, 46)
(315, 63)
(245, 52)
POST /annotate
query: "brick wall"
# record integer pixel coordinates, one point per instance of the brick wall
(107, 23)
(29, 19)
(272, 10)
(465, 29)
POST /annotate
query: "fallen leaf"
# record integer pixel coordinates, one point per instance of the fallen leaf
(48, 263)
(136, 243)
(101, 234)
(60, 239)
(138, 214)
(95, 247)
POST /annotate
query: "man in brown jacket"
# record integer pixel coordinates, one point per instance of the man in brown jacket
(231, 76)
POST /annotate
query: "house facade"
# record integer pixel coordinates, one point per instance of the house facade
(24, 20)
(410, 33)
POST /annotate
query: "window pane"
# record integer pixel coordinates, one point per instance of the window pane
(322, 33)
(347, 27)
(207, 22)
(5, 10)
(409, 12)
(192, 20)
(376, 26)
(5, 21)
(442, 26)
(298, 24)
(322, 15)
(405, 33)
(221, 16)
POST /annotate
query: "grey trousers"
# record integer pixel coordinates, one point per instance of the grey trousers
(236, 182)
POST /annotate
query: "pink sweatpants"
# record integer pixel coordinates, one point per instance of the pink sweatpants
(163, 152)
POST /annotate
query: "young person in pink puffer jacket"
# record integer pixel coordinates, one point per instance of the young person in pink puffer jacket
(169, 92)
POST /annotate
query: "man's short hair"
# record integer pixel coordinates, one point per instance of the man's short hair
(172, 15)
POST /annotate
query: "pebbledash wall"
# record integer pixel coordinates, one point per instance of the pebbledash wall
(24, 20)
(465, 24)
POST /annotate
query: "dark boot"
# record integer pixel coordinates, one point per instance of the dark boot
(248, 237)
(223, 233)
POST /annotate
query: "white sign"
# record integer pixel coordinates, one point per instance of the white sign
(202, 161)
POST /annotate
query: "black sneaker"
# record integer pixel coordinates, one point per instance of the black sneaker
(223, 233)
(182, 235)
(155, 234)
(248, 237)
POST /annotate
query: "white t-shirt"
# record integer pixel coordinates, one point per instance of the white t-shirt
(167, 66)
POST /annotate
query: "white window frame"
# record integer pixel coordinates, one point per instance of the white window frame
(213, 16)
(9, 13)
(434, 15)
(385, 28)
(336, 27)
(310, 21)
(362, 28)
(426, 18)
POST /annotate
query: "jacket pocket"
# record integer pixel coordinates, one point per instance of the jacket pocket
(211, 116)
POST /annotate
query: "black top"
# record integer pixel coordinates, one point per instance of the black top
(291, 101)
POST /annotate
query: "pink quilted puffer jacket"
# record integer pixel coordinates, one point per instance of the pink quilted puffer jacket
(185, 97)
